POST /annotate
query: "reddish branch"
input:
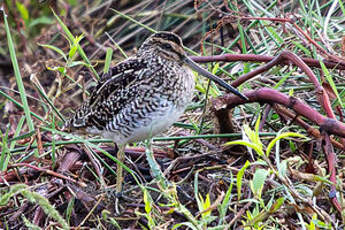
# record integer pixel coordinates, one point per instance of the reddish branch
(329, 152)
(271, 96)
(284, 58)
(43, 170)
(291, 57)
(265, 58)
(284, 112)
(320, 91)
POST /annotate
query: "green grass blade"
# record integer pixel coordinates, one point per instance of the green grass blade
(20, 105)
(108, 60)
(331, 82)
(135, 21)
(17, 74)
(40, 89)
(117, 45)
(56, 49)
(5, 152)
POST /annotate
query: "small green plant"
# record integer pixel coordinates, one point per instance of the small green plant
(69, 59)
(317, 224)
(256, 218)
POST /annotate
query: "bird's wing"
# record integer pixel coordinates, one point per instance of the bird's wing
(118, 77)
(114, 91)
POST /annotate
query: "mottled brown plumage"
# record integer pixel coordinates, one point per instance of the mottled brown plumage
(143, 95)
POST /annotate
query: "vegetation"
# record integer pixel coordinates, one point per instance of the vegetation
(273, 162)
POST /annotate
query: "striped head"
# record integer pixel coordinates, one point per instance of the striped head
(78, 122)
(165, 44)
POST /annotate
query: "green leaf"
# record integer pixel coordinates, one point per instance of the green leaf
(246, 143)
(56, 49)
(70, 208)
(30, 225)
(20, 105)
(60, 69)
(311, 226)
(24, 13)
(254, 136)
(275, 35)
(279, 202)
(257, 127)
(283, 135)
(303, 48)
(72, 51)
(76, 63)
(258, 181)
(43, 94)
(215, 68)
(187, 224)
(283, 79)
(40, 20)
(240, 178)
(5, 152)
(74, 46)
(200, 88)
(205, 204)
(292, 146)
(282, 168)
(222, 209)
(73, 2)
(148, 206)
(24, 136)
(37, 199)
(331, 82)
(342, 7)
(71, 39)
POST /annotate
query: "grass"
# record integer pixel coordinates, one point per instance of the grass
(18, 74)
(267, 173)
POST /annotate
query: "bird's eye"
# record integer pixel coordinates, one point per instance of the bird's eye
(167, 46)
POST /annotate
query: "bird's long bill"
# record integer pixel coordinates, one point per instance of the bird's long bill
(214, 78)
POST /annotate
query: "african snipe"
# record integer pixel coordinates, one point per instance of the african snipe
(143, 95)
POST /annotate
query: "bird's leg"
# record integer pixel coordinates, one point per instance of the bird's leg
(119, 169)
(119, 176)
(156, 171)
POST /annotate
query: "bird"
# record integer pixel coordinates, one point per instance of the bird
(141, 96)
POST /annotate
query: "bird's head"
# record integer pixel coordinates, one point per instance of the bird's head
(77, 123)
(169, 46)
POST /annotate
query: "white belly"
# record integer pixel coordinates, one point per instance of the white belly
(159, 124)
